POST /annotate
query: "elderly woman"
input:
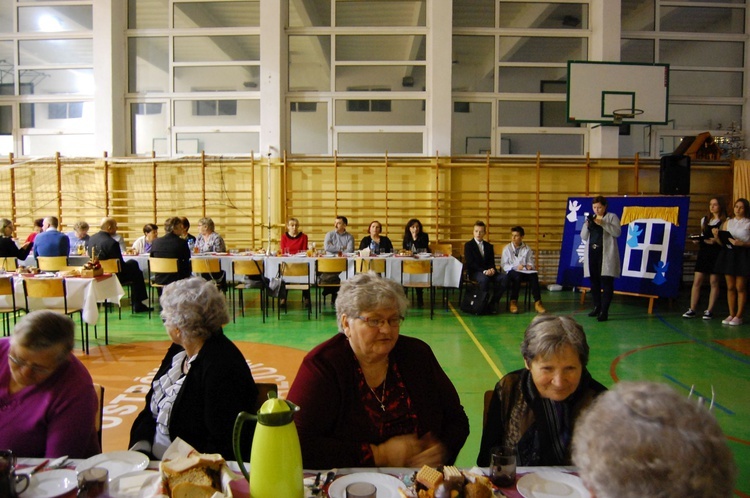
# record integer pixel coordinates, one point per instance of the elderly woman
(645, 439)
(601, 260)
(375, 242)
(142, 244)
(208, 240)
(8, 247)
(203, 381)
(371, 397)
(535, 408)
(79, 238)
(293, 241)
(48, 406)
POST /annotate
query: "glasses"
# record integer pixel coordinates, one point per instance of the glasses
(34, 368)
(376, 323)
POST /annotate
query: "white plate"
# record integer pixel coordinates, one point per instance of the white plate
(130, 485)
(387, 485)
(51, 483)
(117, 463)
(551, 484)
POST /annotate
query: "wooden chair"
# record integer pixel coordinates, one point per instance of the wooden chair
(155, 267)
(416, 271)
(254, 271)
(9, 264)
(99, 389)
(300, 272)
(370, 264)
(328, 265)
(55, 288)
(51, 263)
(7, 289)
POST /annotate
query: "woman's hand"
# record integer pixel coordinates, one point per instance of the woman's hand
(397, 451)
(433, 452)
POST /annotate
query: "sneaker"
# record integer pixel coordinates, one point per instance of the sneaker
(707, 315)
(727, 320)
(736, 321)
(539, 308)
(689, 314)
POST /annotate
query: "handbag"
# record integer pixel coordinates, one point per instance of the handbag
(475, 301)
(277, 286)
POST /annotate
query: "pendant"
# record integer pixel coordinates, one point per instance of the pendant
(382, 406)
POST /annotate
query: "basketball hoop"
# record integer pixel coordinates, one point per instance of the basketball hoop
(619, 114)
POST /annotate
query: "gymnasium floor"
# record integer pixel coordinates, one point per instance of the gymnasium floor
(474, 351)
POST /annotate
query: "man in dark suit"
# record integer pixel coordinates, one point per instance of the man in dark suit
(106, 247)
(51, 242)
(172, 245)
(479, 258)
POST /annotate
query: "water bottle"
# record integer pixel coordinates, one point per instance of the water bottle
(374, 247)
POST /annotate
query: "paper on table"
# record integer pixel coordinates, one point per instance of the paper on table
(527, 271)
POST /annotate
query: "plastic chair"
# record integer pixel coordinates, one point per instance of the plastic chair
(7, 289)
(208, 268)
(114, 267)
(55, 287)
(9, 264)
(251, 272)
(328, 265)
(51, 263)
(418, 268)
(439, 249)
(300, 272)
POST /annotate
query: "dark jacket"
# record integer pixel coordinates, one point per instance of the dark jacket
(217, 387)
(105, 246)
(473, 260)
(386, 246)
(333, 423)
(172, 246)
(9, 249)
(422, 242)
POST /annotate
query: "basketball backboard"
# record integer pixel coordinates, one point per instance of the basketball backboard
(617, 92)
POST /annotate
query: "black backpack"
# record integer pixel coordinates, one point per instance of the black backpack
(475, 301)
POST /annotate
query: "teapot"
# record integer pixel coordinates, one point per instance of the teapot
(275, 455)
(9, 481)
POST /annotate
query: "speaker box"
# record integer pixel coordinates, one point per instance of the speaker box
(674, 175)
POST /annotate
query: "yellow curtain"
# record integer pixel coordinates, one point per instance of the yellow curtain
(668, 214)
(741, 179)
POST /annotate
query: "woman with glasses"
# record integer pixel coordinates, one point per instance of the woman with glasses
(371, 397)
(48, 405)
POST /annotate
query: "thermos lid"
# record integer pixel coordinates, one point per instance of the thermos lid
(276, 411)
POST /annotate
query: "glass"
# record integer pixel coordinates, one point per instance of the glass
(81, 248)
(309, 67)
(9, 481)
(701, 53)
(694, 20)
(217, 14)
(542, 49)
(503, 466)
(309, 128)
(533, 79)
(144, 14)
(380, 47)
(378, 143)
(148, 64)
(55, 19)
(380, 111)
(57, 81)
(67, 117)
(705, 83)
(543, 15)
(216, 48)
(218, 142)
(640, 51)
(544, 143)
(217, 79)
(217, 112)
(310, 13)
(471, 127)
(395, 78)
(93, 482)
(474, 13)
(56, 52)
(381, 13)
(638, 15)
(6, 20)
(376, 323)
(470, 67)
(148, 122)
(34, 368)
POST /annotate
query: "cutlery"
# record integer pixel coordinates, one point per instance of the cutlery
(329, 479)
(315, 489)
(58, 462)
(38, 467)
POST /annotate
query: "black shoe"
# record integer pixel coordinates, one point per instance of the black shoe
(603, 316)
(420, 302)
(494, 309)
(595, 312)
(333, 300)
(141, 308)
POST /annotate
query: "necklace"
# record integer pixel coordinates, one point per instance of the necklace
(381, 400)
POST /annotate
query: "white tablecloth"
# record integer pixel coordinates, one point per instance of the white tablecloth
(83, 293)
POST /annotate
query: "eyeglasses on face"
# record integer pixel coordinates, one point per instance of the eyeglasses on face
(376, 323)
(34, 368)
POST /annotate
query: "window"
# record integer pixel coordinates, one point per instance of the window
(215, 108)
(65, 110)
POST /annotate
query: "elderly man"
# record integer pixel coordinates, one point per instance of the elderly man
(79, 237)
(106, 247)
(172, 245)
(645, 439)
(51, 242)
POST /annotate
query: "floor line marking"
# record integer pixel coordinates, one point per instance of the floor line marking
(697, 393)
(718, 347)
(479, 346)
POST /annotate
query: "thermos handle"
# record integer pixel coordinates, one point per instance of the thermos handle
(236, 433)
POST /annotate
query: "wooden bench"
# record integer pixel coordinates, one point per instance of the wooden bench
(650, 297)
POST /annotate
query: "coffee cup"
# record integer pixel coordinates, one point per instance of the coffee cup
(361, 490)
(11, 484)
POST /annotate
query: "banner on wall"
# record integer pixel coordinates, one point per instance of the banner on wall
(651, 244)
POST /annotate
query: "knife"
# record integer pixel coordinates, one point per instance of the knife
(58, 462)
(38, 467)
